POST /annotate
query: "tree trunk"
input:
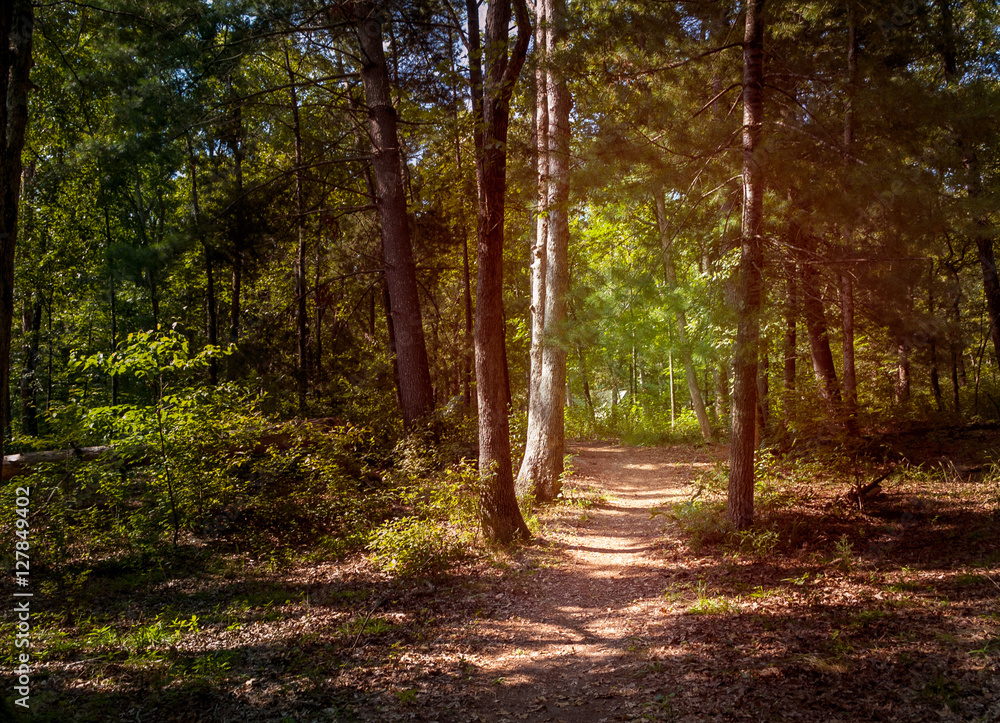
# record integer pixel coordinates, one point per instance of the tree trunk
(501, 519)
(722, 391)
(16, 29)
(847, 327)
(542, 466)
(973, 182)
(955, 346)
(320, 305)
(536, 264)
(465, 379)
(31, 323)
(741, 457)
(764, 394)
(586, 385)
(935, 378)
(991, 282)
(680, 321)
(239, 240)
(903, 372)
(212, 322)
(416, 392)
(846, 284)
(815, 317)
(302, 319)
(790, 353)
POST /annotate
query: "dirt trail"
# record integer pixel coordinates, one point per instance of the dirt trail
(558, 651)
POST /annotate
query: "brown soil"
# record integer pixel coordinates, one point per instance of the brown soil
(882, 615)
(613, 618)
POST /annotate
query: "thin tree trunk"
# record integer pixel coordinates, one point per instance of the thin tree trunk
(234, 306)
(991, 282)
(722, 391)
(790, 352)
(465, 380)
(542, 466)
(536, 265)
(320, 305)
(239, 240)
(586, 385)
(112, 303)
(955, 347)
(302, 318)
(846, 284)
(416, 392)
(680, 321)
(500, 517)
(815, 317)
(212, 328)
(847, 327)
(741, 457)
(31, 323)
(903, 372)
(935, 378)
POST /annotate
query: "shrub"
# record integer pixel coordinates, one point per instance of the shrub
(644, 422)
(411, 545)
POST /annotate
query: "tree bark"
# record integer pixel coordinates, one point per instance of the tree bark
(847, 327)
(542, 466)
(903, 372)
(763, 394)
(499, 514)
(31, 322)
(536, 264)
(416, 392)
(935, 377)
(302, 318)
(739, 507)
(212, 321)
(465, 374)
(846, 284)
(955, 345)
(815, 317)
(238, 239)
(973, 182)
(680, 321)
(16, 30)
(791, 337)
(991, 282)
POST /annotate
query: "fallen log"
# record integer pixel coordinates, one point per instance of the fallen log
(18, 464)
(15, 465)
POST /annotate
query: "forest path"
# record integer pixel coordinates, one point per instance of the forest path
(558, 651)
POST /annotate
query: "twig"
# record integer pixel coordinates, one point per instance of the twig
(364, 622)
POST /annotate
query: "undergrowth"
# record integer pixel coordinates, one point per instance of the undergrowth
(645, 423)
(702, 517)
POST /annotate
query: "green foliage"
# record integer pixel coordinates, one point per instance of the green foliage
(410, 545)
(645, 423)
(702, 517)
(441, 524)
(706, 604)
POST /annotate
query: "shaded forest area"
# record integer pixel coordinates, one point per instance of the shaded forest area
(300, 303)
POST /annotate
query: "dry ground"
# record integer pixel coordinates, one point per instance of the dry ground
(890, 614)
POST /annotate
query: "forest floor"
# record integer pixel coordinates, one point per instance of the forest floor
(614, 614)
